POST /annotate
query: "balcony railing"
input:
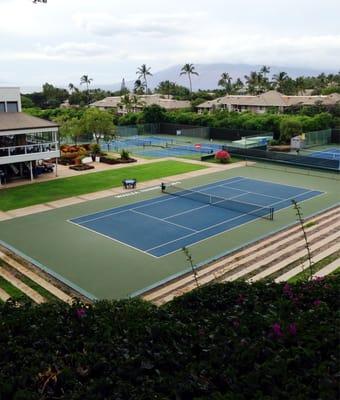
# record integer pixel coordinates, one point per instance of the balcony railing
(28, 149)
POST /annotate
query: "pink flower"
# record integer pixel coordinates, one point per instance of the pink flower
(287, 290)
(81, 312)
(277, 330)
(292, 329)
(317, 302)
(241, 299)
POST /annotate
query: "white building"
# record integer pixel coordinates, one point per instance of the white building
(24, 140)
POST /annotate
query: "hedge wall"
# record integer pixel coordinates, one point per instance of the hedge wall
(234, 341)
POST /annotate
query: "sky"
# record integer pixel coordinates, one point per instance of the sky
(62, 40)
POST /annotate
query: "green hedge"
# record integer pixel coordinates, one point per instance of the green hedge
(234, 341)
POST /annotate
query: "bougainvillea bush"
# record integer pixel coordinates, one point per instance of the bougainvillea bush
(228, 341)
(223, 156)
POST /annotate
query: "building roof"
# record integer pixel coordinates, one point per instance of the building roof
(19, 121)
(145, 100)
(271, 98)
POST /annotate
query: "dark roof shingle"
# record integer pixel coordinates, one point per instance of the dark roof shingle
(19, 120)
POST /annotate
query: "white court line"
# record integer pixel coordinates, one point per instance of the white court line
(162, 220)
(232, 219)
(111, 238)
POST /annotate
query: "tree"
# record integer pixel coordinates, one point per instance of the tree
(98, 123)
(279, 79)
(225, 82)
(154, 113)
(72, 88)
(169, 88)
(143, 72)
(265, 70)
(70, 128)
(289, 127)
(139, 87)
(252, 82)
(85, 80)
(189, 69)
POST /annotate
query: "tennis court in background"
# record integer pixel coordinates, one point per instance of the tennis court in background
(165, 224)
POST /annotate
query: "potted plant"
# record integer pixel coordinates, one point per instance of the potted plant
(95, 151)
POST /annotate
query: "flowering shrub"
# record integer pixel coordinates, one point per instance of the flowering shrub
(226, 341)
(223, 156)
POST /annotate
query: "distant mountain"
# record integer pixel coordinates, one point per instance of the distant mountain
(209, 75)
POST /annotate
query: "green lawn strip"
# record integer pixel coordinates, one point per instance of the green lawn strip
(35, 286)
(315, 267)
(28, 195)
(14, 292)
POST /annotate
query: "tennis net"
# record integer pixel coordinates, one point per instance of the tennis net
(217, 201)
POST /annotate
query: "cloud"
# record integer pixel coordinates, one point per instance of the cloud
(151, 25)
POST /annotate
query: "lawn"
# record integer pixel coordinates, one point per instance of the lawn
(37, 193)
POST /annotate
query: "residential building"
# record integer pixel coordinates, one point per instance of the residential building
(136, 103)
(263, 102)
(25, 141)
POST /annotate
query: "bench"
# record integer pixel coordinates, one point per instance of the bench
(129, 183)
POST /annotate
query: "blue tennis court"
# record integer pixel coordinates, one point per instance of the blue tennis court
(165, 224)
(328, 154)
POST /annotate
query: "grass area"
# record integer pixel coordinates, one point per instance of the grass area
(315, 267)
(31, 194)
(15, 293)
(33, 285)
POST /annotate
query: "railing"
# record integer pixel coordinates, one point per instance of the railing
(28, 149)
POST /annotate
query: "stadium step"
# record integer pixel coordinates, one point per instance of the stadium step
(215, 270)
(4, 296)
(271, 270)
(31, 293)
(318, 257)
(328, 269)
(36, 278)
(274, 252)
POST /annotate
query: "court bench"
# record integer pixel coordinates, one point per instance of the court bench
(129, 183)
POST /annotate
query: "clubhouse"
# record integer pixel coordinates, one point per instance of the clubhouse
(26, 142)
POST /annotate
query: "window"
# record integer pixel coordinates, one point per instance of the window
(12, 106)
(2, 106)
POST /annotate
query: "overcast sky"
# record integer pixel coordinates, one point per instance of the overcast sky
(107, 39)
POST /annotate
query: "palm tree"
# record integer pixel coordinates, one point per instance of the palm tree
(139, 87)
(252, 82)
(225, 82)
(189, 69)
(265, 70)
(125, 102)
(238, 85)
(143, 71)
(279, 79)
(71, 88)
(300, 85)
(87, 81)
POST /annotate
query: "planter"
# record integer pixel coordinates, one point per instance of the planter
(111, 161)
(81, 167)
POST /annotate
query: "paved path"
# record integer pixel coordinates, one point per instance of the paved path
(38, 208)
(36, 278)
